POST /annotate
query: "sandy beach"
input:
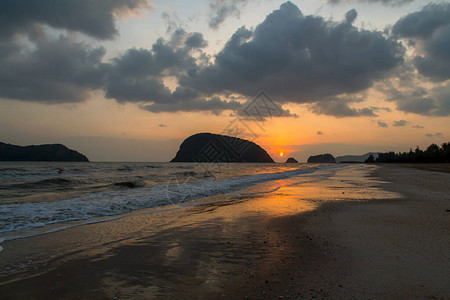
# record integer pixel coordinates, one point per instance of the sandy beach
(360, 231)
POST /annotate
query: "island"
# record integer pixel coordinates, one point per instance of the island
(322, 159)
(208, 147)
(291, 160)
(50, 152)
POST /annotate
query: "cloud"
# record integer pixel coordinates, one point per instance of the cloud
(340, 108)
(56, 71)
(195, 40)
(416, 99)
(320, 132)
(299, 59)
(351, 15)
(400, 123)
(214, 105)
(382, 124)
(222, 9)
(418, 126)
(36, 66)
(432, 135)
(162, 125)
(62, 71)
(137, 76)
(94, 18)
(441, 96)
(385, 2)
(429, 28)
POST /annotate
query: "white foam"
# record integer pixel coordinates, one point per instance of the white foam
(19, 217)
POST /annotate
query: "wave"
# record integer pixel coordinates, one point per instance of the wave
(30, 172)
(46, 183)
(130, 184)
(127, 168)
(193, 174)
(112, 202)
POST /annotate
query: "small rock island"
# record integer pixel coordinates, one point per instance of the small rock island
(322, 159)
(51, 152)
(291, 160)
(208, 147)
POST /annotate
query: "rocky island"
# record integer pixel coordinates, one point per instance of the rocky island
(322, 159)
(208, 147)
(291, 160)
(51, 152)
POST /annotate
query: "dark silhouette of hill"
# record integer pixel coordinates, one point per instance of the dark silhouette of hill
(322, 158)
(433, 154)
(291, 160)
(53, 152)
(355, 158)
(208, 147)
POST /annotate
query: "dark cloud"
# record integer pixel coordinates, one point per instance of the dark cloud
(214, 105)
(62, 70)
(222, 9)
(419, 100)
(351, 15)
(37, 67)
(429, 135)
(94, 18)
(441, 96)
(299, 59)
(424, 22)
(400, 123)
(438, 134)
(385, 2)
(162, 125)
(195, 40)
(382, 124)
(319, 132)
(56, 71)
(376, 109)
(339, 109)
(137, 76)
(418, 126)
(429, 28)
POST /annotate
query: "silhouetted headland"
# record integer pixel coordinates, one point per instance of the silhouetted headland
(208, 147)
(322, 158)
(53, 152)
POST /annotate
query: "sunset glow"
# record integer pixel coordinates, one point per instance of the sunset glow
(114, 98)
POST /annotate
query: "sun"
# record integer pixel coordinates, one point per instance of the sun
(281, 154)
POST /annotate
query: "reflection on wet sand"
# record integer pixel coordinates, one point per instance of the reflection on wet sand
(217, 248)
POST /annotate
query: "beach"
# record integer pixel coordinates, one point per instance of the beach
(357, 231)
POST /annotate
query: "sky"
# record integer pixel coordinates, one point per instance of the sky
(129, 80)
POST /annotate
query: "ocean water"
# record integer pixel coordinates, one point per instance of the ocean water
(36, 197)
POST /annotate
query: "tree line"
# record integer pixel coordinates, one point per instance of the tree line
(433, 154)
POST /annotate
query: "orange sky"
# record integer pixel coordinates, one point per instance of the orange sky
(108, 121)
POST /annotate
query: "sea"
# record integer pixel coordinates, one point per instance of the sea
(42, 197)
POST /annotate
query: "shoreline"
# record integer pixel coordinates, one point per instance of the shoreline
(262, 247)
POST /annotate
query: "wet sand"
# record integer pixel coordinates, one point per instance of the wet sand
(365, 232)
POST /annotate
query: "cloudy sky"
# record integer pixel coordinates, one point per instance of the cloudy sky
(128, 80)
